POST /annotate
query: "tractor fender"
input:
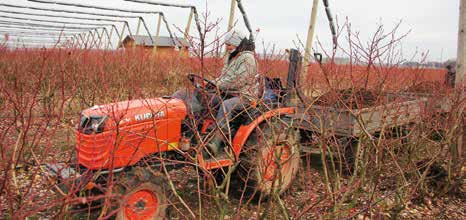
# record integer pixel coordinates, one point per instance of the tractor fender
(244, 131)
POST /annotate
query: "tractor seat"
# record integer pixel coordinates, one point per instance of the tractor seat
(273, 92)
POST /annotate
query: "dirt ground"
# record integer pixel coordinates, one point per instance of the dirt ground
(306, 199)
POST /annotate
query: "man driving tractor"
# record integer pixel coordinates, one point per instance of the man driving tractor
(238, 82)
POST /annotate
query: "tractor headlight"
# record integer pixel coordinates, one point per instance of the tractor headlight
(92, 124)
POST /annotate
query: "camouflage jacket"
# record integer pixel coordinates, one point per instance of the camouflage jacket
(240, 76)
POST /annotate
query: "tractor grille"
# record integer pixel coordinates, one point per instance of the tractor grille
(93, 151)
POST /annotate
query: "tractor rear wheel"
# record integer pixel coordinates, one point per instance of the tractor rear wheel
(145, 195)
(271, 159)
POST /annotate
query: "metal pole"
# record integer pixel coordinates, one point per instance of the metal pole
(121, 36)
(77, 41)
(109, 37)
(82, 40)
(157, 34)
(139, 26)
(89, 40)
(116, 32)
(147, 29)
(245, 19)
(71, 42)
(168, 28)
(94, 39)
(103, 37)
(100, 37)
(97, 39)
(310, 37)
(137, 30)
(186, 31)
(67, 42)
(129, 29)
(88, 36)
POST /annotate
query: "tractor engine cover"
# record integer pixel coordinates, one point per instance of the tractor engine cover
(120, 134)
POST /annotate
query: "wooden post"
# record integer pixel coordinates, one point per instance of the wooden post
(157, 34)
(186, 31)
(310, 37)
(457, 151)
(231, 20)
(461, 60)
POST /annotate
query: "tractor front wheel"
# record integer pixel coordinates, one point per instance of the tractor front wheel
(144, 196)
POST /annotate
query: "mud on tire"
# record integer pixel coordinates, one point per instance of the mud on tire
(270, 159)
(145, 195)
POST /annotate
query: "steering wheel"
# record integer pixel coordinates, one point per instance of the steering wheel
(204, 83)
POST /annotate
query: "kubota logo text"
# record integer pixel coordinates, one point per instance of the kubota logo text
(149, 115)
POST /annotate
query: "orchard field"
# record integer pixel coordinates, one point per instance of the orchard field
(42, 92)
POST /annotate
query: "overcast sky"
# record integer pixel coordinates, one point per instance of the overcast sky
(433, 23)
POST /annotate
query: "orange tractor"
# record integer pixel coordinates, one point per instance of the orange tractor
(125, 150)
(139, 141)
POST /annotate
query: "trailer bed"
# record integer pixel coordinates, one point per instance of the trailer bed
(351, 123)
(436, 103)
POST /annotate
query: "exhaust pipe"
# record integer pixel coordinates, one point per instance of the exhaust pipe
(294, 69)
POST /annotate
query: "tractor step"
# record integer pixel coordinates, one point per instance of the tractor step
(221, 156)
(219, 161)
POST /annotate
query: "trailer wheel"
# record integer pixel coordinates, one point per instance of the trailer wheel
(271, 159)
(144, 196)
(350, 148)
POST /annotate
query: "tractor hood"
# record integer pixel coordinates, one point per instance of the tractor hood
(120, 134)
(132, 112)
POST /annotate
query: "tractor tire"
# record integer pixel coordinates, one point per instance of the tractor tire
(144, 195)
(270, 159)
